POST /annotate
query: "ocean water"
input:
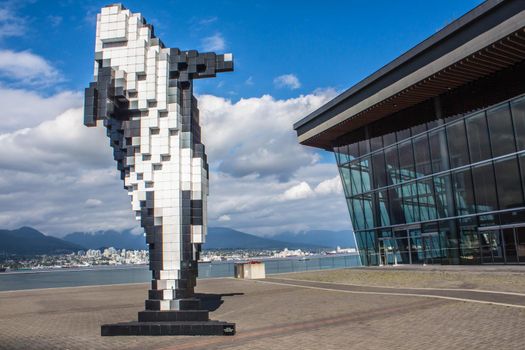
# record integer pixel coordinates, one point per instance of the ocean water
(140, 274)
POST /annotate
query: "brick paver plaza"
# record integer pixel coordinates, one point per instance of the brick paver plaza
(276, 313)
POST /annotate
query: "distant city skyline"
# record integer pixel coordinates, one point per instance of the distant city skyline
(60, 178)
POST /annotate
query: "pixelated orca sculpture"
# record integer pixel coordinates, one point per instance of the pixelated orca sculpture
(143, 93)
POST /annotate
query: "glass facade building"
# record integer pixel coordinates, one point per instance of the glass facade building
(444, 191)
(431, 147)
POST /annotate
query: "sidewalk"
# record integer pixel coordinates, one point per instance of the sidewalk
(270, 314)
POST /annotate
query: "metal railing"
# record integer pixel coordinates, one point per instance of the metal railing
(284, 265)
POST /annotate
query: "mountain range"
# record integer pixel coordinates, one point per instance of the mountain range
(28, 241)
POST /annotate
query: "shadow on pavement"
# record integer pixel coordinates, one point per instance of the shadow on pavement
(211, 301)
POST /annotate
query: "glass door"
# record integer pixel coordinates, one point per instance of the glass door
(520, 241)
(389, 252)
(403, 246)
(509, 243)
(491, 248)
(431, 247)
(416, 247)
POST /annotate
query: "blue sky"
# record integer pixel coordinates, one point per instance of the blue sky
(291, 57)
(334, 45)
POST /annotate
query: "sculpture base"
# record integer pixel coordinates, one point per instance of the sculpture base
(169, 328)
(182, 322)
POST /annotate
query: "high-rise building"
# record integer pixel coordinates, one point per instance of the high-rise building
(431, 147)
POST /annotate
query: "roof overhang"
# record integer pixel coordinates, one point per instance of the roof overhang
(487, 39)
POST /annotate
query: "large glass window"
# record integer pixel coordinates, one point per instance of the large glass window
(376, 143)
(382, 197)
(478, 137)
(485, 188)
(364, 147)
(522, 170)
(463, 193)
(410, 202)
(392, 165)
(366, 174)
(518, 114)
(444, 195)
(389, 139)
(368, 211)
(353, 151)
(501, 131)
(379, 169)
(355, 179)
(444, 181)
(359, 214)
(422, 155)
(397, 215)
(427, 205)
(406, 161)
(457, 144)
(438, 150)
(508, 183)
(345, 178)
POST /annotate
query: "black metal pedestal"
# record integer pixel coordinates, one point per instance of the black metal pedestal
(183, 322)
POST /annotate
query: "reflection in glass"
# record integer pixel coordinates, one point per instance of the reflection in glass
(392, 165)
(368, 212)
(422, 155)
(491, 246)
(501, 132)
(464, 196)
(366, 178)
(417, 181)
(485, 188)
(359, 214)
(438, 150)
(379, 169)
(508, 183)
(509, 244)
(457, 144)
(427, 205)
(406, 161)
(355, 178)
(383, 207)
(478, 137)
(518, 114)
(410, 202)
(444, 198)
(469, 246)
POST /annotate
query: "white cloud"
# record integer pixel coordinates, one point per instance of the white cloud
(24, 67)
(330, 186)
(256, 204)
(303, 190)
(255, 135)
(11, 25)
(215, 42)
(92, 202)
(60, 177)
(55, 21)
(23, 108)
(208, 20)
(249, 81)
(299, 191)
(287, 81)
(224, 218)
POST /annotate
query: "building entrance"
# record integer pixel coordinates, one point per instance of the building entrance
(502, 244)
(406, 246)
